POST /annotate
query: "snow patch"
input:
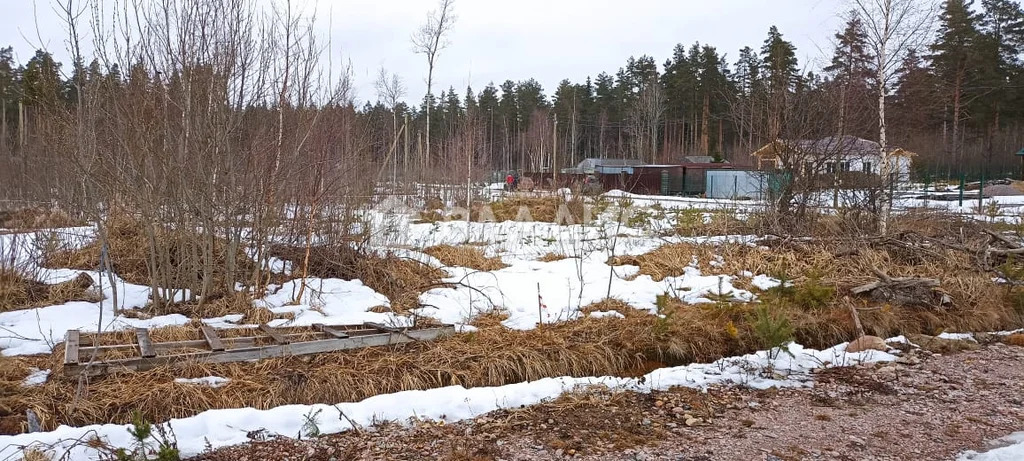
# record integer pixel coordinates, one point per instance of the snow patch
(1009, 448)
(787, 367)
(604, 314)
(36, 378)
(209, 381)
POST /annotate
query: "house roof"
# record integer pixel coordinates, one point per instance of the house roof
(850, 146)
(699, 159)
(612, 162)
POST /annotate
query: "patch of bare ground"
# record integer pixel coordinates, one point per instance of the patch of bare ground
(928, 407)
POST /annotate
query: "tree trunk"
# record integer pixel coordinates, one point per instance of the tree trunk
(886, 168)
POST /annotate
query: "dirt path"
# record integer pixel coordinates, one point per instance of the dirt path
(929, 410)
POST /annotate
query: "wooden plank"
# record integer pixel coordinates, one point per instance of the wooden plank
(212, 339)
(277, 337)
(145, 344)
(257, 353)
(381, 327)
(71, 347)
(330, 330)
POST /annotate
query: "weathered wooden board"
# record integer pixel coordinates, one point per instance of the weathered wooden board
(212, 339)
(71, 347)
(247, 348)
(277, 337)
(145, 343)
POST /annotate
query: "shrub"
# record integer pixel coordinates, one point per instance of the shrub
(141, 430)
(770, 330)
(813, 294)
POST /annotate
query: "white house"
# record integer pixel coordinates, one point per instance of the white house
(836, 154)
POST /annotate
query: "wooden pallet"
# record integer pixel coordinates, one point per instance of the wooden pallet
(80, 349)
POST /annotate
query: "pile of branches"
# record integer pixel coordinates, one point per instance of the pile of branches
(926, 251)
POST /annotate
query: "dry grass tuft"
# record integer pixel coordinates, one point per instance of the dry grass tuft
(235, 303)
(551, 257)
(14, 397)
(552, 209)
(489, 319)
(616, 305)
(465, 256)
(20, 292)
(401, 280)
(133, 244)
(665, 261)
(1015, 340)
(37, 218)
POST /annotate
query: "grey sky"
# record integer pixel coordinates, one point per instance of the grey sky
(518, 39)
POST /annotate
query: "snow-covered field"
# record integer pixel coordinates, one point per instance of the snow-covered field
(529, 291)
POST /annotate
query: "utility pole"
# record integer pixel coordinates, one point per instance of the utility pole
(554, 154)
(405, 160)
(572, 144)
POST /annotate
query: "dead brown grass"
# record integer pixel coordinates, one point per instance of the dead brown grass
(20, 292)
(401, 280)
(489, 320)
(551, 257)
(235, 303)
(552, 209)
(616, 305)
(131, 249)
(492, 356)
(589, 346)
(1015, 340)
(465, 256)
(37, 218)
(13, 396)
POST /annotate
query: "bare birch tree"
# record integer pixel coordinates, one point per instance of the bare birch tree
(390, 90)
(645, 117)
(429, 40)
(894, 28)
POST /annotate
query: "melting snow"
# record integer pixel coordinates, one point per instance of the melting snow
(790, 367)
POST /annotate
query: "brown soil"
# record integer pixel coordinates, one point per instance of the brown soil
(930, 410)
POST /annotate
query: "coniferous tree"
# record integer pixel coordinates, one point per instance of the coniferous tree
(850, 71)
(780, 75)
(956, 65)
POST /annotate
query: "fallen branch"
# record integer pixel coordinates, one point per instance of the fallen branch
(904, 290)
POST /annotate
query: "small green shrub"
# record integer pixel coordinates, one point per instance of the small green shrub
(813, 294)
(771, 331)
(689, 221)
(166, 448)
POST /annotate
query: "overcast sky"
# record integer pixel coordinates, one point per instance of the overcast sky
(514, 39)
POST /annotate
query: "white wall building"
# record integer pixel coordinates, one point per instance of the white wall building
(835, 154)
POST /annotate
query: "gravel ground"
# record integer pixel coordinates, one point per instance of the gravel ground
(928, 407)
